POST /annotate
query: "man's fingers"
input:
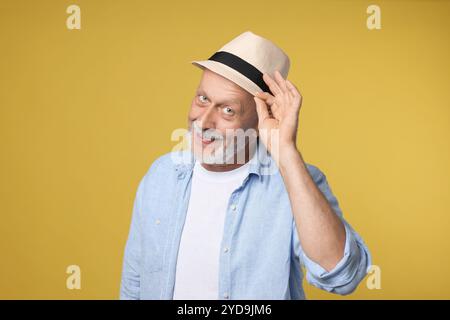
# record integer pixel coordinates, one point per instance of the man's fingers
(273, 86)
(281, 82)
(292, 88)
(267, 97)
(261, 109)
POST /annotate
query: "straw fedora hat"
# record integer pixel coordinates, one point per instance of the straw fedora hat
(244, 59)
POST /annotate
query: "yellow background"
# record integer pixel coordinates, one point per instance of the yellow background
(85, 112)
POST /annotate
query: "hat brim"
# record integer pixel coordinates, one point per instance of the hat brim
(228, 73)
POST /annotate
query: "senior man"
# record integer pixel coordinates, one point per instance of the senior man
(238, 218)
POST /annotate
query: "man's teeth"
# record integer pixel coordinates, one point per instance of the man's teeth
(202, 135)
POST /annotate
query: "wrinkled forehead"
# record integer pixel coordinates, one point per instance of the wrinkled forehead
(220, 89)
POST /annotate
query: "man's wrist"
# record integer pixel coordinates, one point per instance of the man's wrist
(288, 156)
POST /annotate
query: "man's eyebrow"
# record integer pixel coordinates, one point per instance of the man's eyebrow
(234, 101)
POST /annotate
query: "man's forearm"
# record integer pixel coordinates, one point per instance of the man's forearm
(320, 230)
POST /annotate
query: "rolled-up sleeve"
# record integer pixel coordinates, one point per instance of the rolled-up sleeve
(351, 269)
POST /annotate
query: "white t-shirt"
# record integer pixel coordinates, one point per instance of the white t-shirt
(197, 270)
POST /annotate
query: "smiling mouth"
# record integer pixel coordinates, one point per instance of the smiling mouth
(204, 140)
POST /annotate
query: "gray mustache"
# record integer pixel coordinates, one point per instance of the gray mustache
(207, 134)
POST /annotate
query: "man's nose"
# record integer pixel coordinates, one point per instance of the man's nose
(208, 117)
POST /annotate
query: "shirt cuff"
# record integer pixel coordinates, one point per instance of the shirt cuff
(344, 271)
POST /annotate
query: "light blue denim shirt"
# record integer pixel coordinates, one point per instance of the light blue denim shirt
(265, 257)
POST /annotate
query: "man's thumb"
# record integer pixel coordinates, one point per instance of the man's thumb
(261, 109)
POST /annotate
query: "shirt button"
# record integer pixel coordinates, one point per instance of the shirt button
(233, 207)
(226, 249)
(225, 295)
(158, 221)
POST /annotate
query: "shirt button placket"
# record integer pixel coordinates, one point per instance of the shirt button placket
(226, 250)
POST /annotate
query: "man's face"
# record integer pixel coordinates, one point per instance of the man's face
(219, 108)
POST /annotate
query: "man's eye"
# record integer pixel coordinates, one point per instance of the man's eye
(228, 111)
(202, 98)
